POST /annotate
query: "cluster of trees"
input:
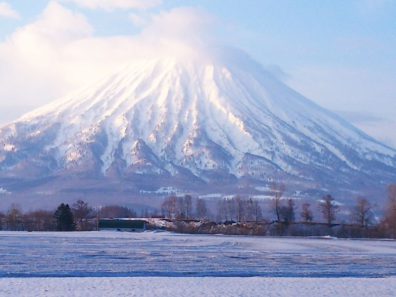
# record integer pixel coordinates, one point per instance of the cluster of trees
(285, 213)
(285, 210)
(62, 219)
(239, 209)
(174, 207)
(15, 220)
(80, 216)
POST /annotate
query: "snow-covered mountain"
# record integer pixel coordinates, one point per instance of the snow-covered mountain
(218, 124)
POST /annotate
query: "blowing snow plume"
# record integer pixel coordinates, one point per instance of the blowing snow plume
(190, 115)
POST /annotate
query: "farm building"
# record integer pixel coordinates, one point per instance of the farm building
(120, 224)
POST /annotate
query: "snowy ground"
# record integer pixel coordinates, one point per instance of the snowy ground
(166, 264)
(98, 254)
(192, 286)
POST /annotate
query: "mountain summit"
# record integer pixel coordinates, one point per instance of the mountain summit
(210, 126)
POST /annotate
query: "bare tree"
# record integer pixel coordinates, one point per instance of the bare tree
(306, 213)
(184, 207)
(179, 212)
(362, 212)
(257, 211)
(253, 210)
(39, 220)
(220, 213)
(81, 211)
(116, 211)
(14, 218)
(277, 188)
(226, 210)
(240, 208)
(201, 209)
(231, 209)
(188, 206)
(328, 209)
(2, 217)
(169, 207)
(390, 214)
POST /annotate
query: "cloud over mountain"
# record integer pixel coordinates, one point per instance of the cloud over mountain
(6, 11)
(110, 5)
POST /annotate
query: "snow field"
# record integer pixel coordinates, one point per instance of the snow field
(153, 254)
(197, 287)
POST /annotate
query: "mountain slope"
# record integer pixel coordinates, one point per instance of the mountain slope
(204, 125)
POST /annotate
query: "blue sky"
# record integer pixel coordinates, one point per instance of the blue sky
(340, 54)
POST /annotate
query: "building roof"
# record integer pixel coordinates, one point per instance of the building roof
(121, 224)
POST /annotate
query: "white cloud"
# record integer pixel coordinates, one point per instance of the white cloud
(110, 5)
(139, 20)
(59, 52)
(180, 32)
(6, 11)
(53, 55)
(35, 55)
(182, 24)
(4, 191)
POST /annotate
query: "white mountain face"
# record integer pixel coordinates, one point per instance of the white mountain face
(202, 125)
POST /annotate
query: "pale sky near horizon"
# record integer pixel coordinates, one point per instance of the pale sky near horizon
(340, 54)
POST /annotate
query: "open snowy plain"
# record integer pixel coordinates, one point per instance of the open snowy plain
(166, 264)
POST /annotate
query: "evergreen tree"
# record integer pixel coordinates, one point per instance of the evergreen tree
(287, 212)
(64, 218)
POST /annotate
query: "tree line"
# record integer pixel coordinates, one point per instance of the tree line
(77, 217)
(287, 218)
(239, 209)
(278, 216)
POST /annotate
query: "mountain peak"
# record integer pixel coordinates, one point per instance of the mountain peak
(212, 119)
